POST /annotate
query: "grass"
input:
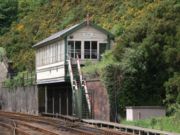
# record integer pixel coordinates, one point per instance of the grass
(170, 124)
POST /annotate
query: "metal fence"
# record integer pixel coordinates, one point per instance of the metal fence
(19, 79)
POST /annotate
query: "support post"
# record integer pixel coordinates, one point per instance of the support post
(53, 102)
(46, 99)
(59, 103)
(67, 103)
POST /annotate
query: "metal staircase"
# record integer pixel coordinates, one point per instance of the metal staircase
(81, 100)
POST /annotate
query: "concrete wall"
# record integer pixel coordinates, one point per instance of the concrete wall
(144, 112)
(21, 99)
(101, 107)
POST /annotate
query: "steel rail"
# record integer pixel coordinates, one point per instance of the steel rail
(52, 122)
(19, 129)
(42, 130)
(68, 125)
(15, 129)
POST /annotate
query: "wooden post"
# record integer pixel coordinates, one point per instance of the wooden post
(67, 102)
(53, 102)
(46, 99)
(59, 103)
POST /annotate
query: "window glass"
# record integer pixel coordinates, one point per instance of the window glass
(71, 48)
(102, 49)
(53, 53)
(41, 56)
(87, 49)
(50, 50)
(48, 54)
(94, 49)
(77, 49)
(59, 52)
(56, 52)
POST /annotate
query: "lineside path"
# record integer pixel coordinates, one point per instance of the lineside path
(126, 128)
(24, 124)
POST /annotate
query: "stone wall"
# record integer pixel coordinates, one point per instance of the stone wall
(20, 99)
(3, 72)
(101, 107)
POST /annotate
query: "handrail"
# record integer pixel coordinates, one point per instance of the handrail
(87, 95)
(83, 84)
(79, 69)
(73, 82)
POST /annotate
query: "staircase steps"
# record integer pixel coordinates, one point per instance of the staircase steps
(80, 97)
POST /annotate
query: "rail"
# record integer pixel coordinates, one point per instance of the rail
(88, 53)
(77, 127)
(16, 126)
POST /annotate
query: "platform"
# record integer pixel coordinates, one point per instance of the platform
(128, 129)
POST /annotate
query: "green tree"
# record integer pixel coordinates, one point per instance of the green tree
(8, 13)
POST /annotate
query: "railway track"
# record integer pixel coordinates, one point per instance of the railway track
(24, 124)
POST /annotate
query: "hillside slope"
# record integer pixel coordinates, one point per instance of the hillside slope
(143, 68)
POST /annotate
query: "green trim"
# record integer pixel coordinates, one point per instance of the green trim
(109, 42)
(65, 56)
(74, 29)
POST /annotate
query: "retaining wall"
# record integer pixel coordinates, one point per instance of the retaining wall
(20, 99)
(101, 106)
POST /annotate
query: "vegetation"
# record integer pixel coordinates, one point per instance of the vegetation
(8, 13)
(143, 67)
(21, 79)
(170, 124)
(146, 63)
(2, 53)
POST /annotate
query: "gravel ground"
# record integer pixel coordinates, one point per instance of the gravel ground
(4, 131)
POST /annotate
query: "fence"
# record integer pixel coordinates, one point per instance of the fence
(20, 79)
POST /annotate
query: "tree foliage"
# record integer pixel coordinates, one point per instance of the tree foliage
(146, 56)
(8, 13)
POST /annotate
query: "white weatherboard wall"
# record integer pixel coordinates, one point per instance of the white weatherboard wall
(89, 33)
(144, 112)
(50, 63)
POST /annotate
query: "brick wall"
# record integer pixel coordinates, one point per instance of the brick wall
(101, 107)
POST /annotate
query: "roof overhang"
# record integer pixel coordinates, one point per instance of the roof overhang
(64, 33)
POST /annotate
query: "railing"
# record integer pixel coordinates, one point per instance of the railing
(21, 79)
(88, 53)
(83, 84)
(73, 82)
(73, 53)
